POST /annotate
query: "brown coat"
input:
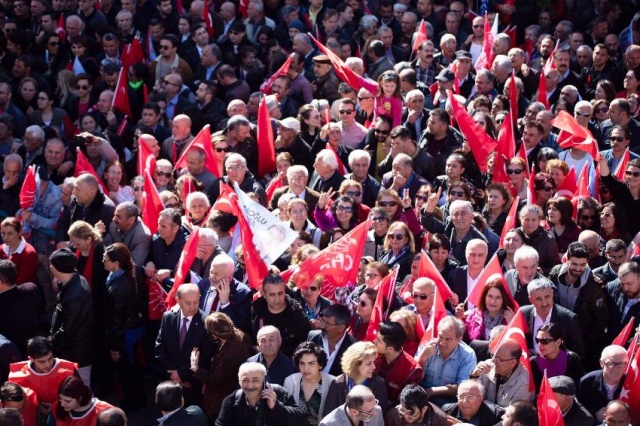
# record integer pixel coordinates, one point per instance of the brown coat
(222, 376)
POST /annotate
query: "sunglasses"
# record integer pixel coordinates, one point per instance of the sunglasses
(547, 189)
(388, 203)
(457, 193)
(362, 303)
(80, 87)
(545, 341)
(344, 209)
(421, 198)
(378, 219)
(354, 193)
(164, 47)
(345, 111)
(601, 110)
(381, 132)
(396, 237)
(514, 171)
(588, 217)
(313, 288)
(54, 43)
(478, 26)
(616, 139)
(171, 206)
(583, 114)
(225, 149)
(164, 174)
(630, 173)
(361, 98)
(421, 296)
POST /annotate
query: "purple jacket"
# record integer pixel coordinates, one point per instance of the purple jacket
(475, 325)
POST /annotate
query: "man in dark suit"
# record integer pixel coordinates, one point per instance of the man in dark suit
(403, 177)
(326, 175)
(459, 279)
(220, 292)
(201, 40)
(180, 332)
(298, 177)
(334, 321)
(171, 404)
(542, 310)
(622, 295)
(415, 115)
(178, 104)
(599, 387)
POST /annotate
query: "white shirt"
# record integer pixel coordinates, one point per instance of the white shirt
(331, 356)
(209, 297)
(189, 320)
(537, 323)
(471, 283)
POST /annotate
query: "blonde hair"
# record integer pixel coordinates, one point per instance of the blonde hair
(410, 241)
(409, 316)
(81, 229)
(355, 355)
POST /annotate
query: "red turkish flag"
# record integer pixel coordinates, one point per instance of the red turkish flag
(187, 257)
(622, 165)
(532, 198)
(157, 297)
(274, 184)
(623, 337)
(151, 204)
(438, 311)
(420, 36)
(569, 186)
(121, 94)
(573, 135)
(542, 91)
(266, 147)
(146, 159)
(227, 201)
(506, 137)
(84, 166)
(341, 167)
(343, 72)
(549, 413)
(60, 28)
(479, 141)
(256, 268)
(492, 269)
(631, 389)
(513, 100)
(338, 263)
(633, 347)
(208, 20)
(202, 141)
(386, 293)
(522, 153)
(429, 270)
(131, 54)
(516, 330)
(266, 86)
(582, 190)
(511, 221)
(29, 189)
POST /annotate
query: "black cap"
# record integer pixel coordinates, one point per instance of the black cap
(445, 75)
(563, 385)
(64, 260)
(238, 26)
(463, 54)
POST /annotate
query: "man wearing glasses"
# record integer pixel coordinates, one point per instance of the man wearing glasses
(361, 406)
(619, 140)
(504, 377)
(599, 387)
(472, 408)
(352, 132)
(332, 336)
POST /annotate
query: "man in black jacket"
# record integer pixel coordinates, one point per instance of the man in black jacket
(334, 321)
(622, 297)
(89, 205)
(72, 323)
(573, 413)
(471, 406)
(258, 402)
(171, 403)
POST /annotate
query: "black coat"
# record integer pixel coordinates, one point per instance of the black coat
(187, 416)
(72, 323)
(592, 393)
(19, 312)
(315, 336)
(488, 414)
(569, 327)
(100, 209)
(123, 295)
(616, 300)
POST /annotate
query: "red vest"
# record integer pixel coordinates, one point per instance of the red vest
(90, 418)
(44, 385)
(401, 372)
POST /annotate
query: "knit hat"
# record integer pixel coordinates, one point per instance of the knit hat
(64, 260)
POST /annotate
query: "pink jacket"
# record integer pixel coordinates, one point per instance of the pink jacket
(475, 325)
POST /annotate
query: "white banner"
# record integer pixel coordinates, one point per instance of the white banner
(271, 236)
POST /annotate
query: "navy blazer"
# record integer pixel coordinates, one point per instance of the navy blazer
(568, 322)
(315, 336)
(239, 307)
(592, 393)
(457, 280)
(167, 350)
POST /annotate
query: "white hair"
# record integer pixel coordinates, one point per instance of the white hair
(252, 367)
(197, 195)
(525, 253)
(209, 235)
(359, 154)
(328, 157)
(297, 169)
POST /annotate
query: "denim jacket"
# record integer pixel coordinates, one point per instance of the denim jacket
(44, 219)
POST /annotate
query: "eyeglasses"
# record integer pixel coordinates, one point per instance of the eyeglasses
(547, 189)
(362, 303)
(170, 83)
(396, 237)
(616, 139)
(388, 203)
(363, 98)
(421, 296)
(467, 397)
(381, 132)
(583, 114)
(478, 26)
(344, 209)
(612, 364)
(514, 171)
(545, 341)
(378, 219)
(225, 149)
(164, 174)
(54, 43)
(601, 110)
(457, 193)
(81, 87)
(497, 358)
(345, 111)
(172, 206)
(354, 193)
(371, 275)
(588, 217)
(630, 173)
(370, 412)
(138, 188)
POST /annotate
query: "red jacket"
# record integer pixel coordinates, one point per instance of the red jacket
(402, 371)
(90, 418)
(26, 263)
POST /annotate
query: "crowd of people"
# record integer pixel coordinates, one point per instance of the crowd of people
(377, 110)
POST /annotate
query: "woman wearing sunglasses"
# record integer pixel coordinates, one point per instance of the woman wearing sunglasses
(364, 308)
(560, 222)
(627, 193)
(390, 201)
(163, 175)
(600, 111)
(554, 357)
(374, 273)
(494, 308)
(614, 223)
(454, 170)
(374, 244)
(400, 248)
(589, 213)
(313, 303)
(544, 187)
(342, 214)
(516, 170)
(221, 148)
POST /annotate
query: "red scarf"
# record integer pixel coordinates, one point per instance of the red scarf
(87, 271)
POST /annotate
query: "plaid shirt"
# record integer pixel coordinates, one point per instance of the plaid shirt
(426, 75)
